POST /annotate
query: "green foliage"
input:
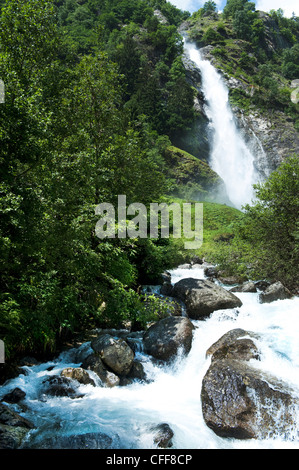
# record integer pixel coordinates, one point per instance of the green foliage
(68, 143)
(290, 67)
(212, 37)
(266, 239)
(234, 6)
(209, 7)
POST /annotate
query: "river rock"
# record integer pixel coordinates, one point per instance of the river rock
(15, 396)
(115, 353)
(245, 287)
(95, 364)
(57, 386)
(164, 339)
(163, 435)
(202, 297)
(235, 344)
(275, 291)
(78, 374)
(166, 289)
(13, 428)
(137, 371)
(211, 271)
(239, 401)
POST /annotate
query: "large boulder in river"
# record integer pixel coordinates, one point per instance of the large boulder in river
(275, 291)
(242, 402)
(202, 297)
(164, 339)
(115, 353)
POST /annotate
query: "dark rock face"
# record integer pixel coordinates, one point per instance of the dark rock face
(163, 339)
(202, 297)
(15, 396)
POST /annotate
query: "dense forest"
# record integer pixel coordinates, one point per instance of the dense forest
(95, 95)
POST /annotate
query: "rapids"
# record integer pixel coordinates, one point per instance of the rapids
(172, 396)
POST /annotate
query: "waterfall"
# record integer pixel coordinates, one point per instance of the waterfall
(230, 157)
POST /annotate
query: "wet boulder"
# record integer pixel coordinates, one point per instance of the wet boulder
(164, 339)
(202, 297)
(95, 364)
(137, 371)
(235, 344)
(78, 374)
(57, 386)
(114, 352)
(239, 401)
(162, 435)
(245, 287)
(276, 291)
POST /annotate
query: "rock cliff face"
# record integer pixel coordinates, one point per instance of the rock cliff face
(272, 136)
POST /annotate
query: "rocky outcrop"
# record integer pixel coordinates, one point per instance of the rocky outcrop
(193, 177)
(271, 137)
(165, 338)
(202, 297)
(241, 401)
(15, 396)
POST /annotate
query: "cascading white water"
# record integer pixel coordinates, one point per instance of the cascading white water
(230, 157)
(172, 396)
